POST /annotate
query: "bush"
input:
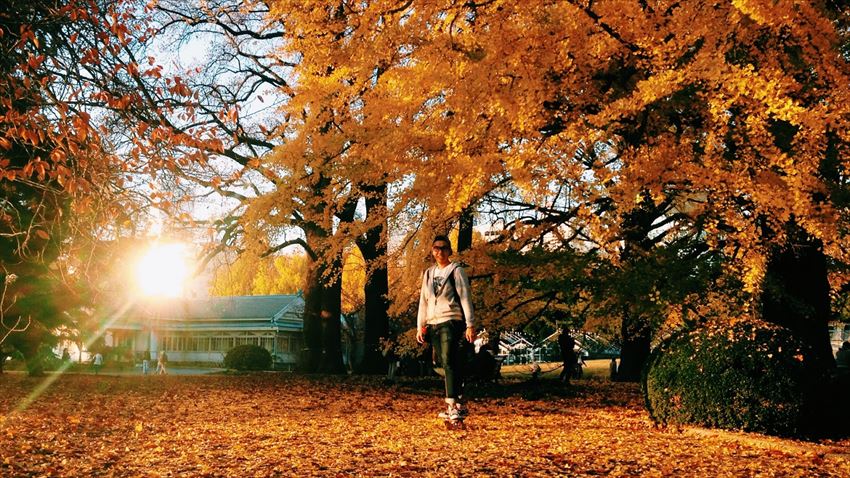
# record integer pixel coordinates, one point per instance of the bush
(49, 360)
(248, 357)
(746, 375)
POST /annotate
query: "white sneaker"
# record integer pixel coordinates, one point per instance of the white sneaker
(456, 411)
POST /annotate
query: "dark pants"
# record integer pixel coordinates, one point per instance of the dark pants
(569, 367)
(447, 339)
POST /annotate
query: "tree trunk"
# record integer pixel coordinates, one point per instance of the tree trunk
(331, 334)
(373, 248)
(308, 360)
(635, 348)
(796, 295)
(635, 329)
(464, 230)
(321, 307)
(377, 322)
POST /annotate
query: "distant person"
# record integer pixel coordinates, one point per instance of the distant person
(146, 362)
(612, 369)
(97, 363)
(445, 315)
(161, 363)
(567, 345)
(485, 365)
(535, 371)
(842, 358)
(392, 360)
(579, 363)
(66, 356)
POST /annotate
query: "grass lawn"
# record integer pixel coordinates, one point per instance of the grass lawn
(284, 425)
(593, 369)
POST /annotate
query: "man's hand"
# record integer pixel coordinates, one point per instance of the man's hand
(420, 334)
(470, 334)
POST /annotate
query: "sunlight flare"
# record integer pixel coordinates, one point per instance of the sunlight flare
(163, 270)
(50, 378)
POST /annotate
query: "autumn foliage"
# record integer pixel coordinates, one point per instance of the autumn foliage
(560, 123)
(280, 425)
(645, 166)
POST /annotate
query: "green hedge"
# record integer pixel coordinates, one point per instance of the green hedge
(248, 357)
(747, 375)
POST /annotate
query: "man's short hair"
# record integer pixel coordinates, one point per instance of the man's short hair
(442, 237)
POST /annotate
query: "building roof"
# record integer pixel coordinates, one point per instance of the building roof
(232, 307)
(243, 312)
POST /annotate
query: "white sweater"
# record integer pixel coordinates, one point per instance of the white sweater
(446, 303)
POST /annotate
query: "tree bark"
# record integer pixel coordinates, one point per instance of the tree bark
(464, 230)
(635, 329)
(635, 348)
(331, 328)
(373, 248)
(323, 289)
(377, 321)
(308, 360)
(796, 294)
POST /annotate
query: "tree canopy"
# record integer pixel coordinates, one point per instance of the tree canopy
(603, 142)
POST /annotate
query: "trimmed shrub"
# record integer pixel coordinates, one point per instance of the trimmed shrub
(248, 357)
(747, 375)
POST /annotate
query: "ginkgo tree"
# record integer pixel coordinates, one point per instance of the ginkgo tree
(417, 112)
(736, 108)
(216, 122)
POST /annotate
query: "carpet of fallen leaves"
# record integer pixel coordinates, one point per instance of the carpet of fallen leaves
(285, 425)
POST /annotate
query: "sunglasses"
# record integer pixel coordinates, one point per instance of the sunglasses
(441, 248)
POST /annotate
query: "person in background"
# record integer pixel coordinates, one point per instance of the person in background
(146, 362)
(535, 371)
(97, 363)
(568, 355)
(842, 357)
(612, 369)
(161, 362)
(580, 363)
(446, 316)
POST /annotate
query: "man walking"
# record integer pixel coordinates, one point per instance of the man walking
(97, 363)
(445, 315)
(568, 355)
(161, 363)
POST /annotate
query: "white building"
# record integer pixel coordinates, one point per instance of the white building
(203, 330)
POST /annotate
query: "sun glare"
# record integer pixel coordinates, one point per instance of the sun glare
(163, 270)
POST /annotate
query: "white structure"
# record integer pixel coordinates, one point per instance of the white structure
(838, 333)
(203, 330)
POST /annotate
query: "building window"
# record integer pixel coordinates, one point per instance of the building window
(286, 343)
(283, 344)
(267, 343)
(221, 344)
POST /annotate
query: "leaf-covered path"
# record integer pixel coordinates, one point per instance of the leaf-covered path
(281, 425)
